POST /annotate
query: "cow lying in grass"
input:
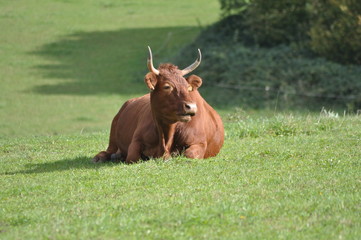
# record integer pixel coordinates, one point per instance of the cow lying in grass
(172, 119)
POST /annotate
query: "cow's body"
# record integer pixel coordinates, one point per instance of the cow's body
(169, 120)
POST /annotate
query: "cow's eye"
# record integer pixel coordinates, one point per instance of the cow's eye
(167, 87)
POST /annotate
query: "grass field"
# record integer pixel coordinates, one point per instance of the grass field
(282, 177)
(67, 66)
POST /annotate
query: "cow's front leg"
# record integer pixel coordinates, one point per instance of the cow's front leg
(102, 157)
(196, 151)
(134, 152)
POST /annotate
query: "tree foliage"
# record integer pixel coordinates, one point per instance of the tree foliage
(282, 75)
(330, 28)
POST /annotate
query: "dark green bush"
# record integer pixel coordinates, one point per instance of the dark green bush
(336, 31)
(277, 22)
(231, 7)
(331, 29)
(265, 77)
(267, 54)
(270, 22)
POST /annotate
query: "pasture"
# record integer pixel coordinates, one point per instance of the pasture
(67, 66)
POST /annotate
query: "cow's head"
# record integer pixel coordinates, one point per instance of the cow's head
(171, 92)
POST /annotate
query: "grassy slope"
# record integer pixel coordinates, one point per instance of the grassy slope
(66, 66)
(287, 176)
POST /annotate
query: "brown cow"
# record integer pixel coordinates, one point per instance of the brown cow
(172, 119)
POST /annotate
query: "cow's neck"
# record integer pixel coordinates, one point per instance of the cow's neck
(166, 133)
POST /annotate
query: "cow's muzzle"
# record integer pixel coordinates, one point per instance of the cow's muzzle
(189, 110)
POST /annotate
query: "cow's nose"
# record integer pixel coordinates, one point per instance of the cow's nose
(190, 108)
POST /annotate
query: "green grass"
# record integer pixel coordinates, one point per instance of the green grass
(67, 66)
(287, 176)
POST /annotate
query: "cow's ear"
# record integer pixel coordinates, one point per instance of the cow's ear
(150, 80)
(194, 81)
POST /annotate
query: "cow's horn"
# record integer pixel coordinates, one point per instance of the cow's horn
(150, 63)
(194, 65)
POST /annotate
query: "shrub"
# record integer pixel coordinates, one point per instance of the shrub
(231, 7)
(277, 22)
(331, 29)
(270, 22)
(250, 72)
(336, 34)
(266, 77)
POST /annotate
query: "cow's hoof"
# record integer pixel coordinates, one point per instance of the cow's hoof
(98, 159)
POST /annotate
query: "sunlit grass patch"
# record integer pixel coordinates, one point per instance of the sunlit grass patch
(243, 125)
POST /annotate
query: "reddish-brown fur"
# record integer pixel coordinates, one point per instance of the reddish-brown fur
(172, 119)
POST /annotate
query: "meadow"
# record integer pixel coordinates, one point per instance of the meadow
(67, 66)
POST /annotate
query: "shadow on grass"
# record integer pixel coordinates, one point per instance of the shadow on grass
(62, 165)
(106, 62)
(114, 62)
